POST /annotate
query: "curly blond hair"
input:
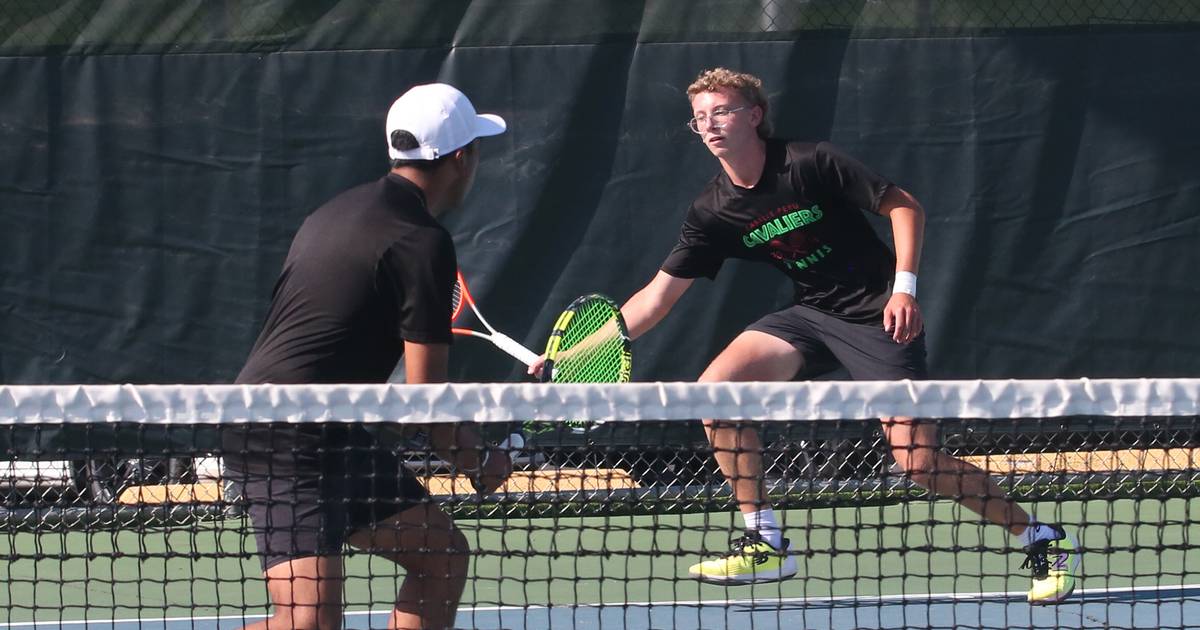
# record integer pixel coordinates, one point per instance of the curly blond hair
(748, 86)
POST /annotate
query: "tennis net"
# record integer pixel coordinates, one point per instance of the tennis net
(121, 509)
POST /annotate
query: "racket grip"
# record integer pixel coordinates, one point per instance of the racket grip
(518, 351)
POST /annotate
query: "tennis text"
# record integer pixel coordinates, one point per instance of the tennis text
(811, 259)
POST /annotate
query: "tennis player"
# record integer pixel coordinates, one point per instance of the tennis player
(368, 279)
(799, 208)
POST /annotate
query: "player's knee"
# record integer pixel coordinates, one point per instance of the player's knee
(443, 564)
(713, 375)
(733, 436)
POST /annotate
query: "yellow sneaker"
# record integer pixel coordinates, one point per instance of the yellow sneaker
(1055, 564)
(750, 560)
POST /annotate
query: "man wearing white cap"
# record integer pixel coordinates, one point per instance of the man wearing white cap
(369, 279)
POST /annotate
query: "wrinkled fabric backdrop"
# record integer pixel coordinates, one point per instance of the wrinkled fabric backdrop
(158, 157)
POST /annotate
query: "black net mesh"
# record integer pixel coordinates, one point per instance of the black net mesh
(162, 524)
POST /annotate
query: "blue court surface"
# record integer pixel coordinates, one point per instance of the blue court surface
(1145, 607)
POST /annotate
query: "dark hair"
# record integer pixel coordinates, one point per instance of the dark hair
(404, 141)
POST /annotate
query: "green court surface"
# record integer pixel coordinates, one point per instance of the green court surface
(910, 549)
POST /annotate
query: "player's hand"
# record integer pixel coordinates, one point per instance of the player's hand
(535, 370)
(496, 468)
(902, 318)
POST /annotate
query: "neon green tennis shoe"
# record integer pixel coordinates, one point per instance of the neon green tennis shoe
(751, 560)
(1055, 565)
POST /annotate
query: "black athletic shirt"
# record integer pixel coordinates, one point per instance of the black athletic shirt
(805, 217)
(368, 270)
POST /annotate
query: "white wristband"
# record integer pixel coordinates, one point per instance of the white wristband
(906, 282)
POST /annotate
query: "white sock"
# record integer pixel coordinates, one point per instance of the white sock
(1035, 532)
(763, 522)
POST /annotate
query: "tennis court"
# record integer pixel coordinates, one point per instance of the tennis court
(881, 575)
(574, 545)
(164, 160)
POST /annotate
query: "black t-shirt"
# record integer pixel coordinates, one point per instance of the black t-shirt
(366, 271)
(804, 217)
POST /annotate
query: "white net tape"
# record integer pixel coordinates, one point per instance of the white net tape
(505, 402)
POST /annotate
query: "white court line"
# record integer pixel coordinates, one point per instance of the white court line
(866, 600)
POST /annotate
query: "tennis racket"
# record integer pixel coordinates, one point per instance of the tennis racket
(589, 344)
(462, 296)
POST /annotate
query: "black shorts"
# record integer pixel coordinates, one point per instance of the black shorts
(307, 488)
(866, 351)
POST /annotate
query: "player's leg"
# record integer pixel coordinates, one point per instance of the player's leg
(435, 556)
(759, 555)
(752, 356)
(306, 593)
(392, 516)
(1052, 555)
(301, 561)
(295, 523)
(869, 353)
(915, 448)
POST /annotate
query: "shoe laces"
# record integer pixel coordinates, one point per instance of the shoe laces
(1037, 555)
(749, 539)
(1035, 558)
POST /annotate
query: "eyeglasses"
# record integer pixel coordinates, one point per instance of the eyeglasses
(716, 119)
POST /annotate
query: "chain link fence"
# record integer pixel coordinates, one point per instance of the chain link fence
(36, 27)
(82, 476)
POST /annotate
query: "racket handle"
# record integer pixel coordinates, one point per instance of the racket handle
(518, 352)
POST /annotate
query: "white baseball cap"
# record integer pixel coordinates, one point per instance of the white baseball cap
(442, 120)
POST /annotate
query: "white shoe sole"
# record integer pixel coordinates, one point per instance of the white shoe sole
(1051, 602)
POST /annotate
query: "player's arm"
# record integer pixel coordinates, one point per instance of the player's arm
(459, 443)
(651, 304)
(902, 315)
(426, 362)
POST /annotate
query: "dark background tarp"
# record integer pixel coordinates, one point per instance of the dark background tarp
(158, 156)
